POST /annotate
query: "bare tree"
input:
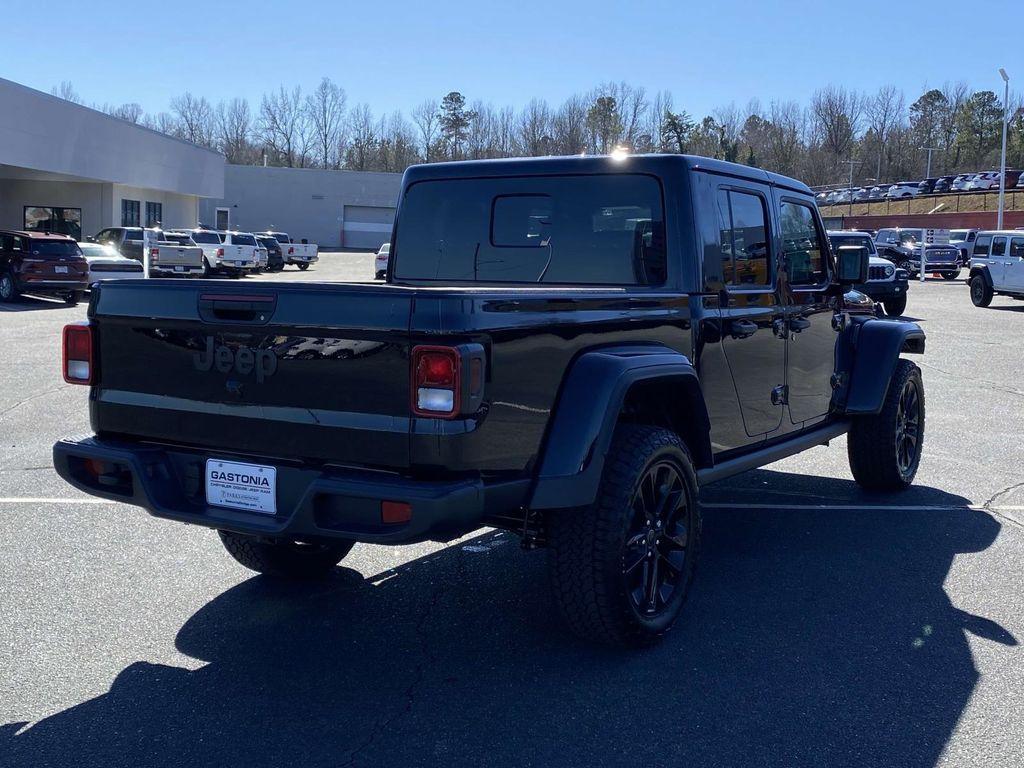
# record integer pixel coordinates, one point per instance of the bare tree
(284, 127)
(131, 112)
(325, 108)
(885, 112)
(66, 91)
(362, 150)
(837, 113)
(194, 117)
(425, 118)
(235, 132)
(785, 137)
(535, 128)
(569, 126)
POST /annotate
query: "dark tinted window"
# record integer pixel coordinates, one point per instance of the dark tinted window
(998, 246)
(269, 243)
(133, 234)
(130, 213)
(281, 238)
(206, 237)
(1017, 247)
(586, 230)
(237, 239)
(744, 238)
(802, 247)
(54, 248)
(864, 241)
(154, 214)
(981, 245)
(179, 239)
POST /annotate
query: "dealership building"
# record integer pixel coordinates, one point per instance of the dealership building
(75, 170)
(71, 169)
(337, 209)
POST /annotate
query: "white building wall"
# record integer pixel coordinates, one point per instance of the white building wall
(89, 196)
(178, 210)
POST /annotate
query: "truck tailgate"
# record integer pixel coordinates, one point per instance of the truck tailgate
(314, 372)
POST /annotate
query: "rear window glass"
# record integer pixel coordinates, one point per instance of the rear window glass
(54, 248)
(281, 238)
(583, 230)
(179, 239)
(838, 241)
(267, 242)
(206, 237)
(243, 240)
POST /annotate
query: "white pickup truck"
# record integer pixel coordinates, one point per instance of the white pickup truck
(299, 254)
(232, 253)
(176, 254)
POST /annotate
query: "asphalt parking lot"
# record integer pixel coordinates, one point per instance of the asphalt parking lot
(826, 626)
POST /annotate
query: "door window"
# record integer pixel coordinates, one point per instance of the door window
(802, 245)
(1017, 247)
(981, 246)
(999, 246)
(743, 235)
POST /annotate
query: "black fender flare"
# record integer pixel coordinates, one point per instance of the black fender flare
(981, 269)
(587, 410)
(868, 354)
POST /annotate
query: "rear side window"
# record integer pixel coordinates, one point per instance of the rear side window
(237, 239)
(579, 230)
(1017, 247)
(981, 245)
(999, 246)
(802, 246)
(743, 234)
(55, 248)
(206, 237)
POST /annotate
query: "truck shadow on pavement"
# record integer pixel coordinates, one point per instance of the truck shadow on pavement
(812, 637)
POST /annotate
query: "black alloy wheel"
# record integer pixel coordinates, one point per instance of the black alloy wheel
(654, 559)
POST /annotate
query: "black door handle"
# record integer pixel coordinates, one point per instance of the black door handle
(797, 324)
(741, 329)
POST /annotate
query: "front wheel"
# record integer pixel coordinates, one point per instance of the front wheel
(283, 557)
(885, 449)
(981, 292)
(621, 569)
(951, 275)
(304, 266)
(895, 306)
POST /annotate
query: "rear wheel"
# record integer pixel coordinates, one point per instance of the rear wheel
(981, 291)
(8, 288)
(304, 266)
(71, 298)
(283, 557)
(895, 306)
(885, 449)
(622, 568)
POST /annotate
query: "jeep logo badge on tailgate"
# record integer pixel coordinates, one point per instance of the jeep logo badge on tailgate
(244, 360)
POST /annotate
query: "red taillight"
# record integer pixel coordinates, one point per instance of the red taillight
(154, 254)
(436, 378)
(392, 512)
(220, 251)
(78, 365)
(291, 251)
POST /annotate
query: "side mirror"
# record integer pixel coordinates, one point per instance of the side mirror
(852, 264)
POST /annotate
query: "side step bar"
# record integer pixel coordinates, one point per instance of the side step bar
(768, 454)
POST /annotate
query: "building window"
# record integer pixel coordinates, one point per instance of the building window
(129, 213)
(154, 214)
(48, 218)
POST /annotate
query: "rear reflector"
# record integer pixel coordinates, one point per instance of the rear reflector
(77, 365)
(395, 512)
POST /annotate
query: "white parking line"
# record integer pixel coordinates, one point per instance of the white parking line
(872, 507)
(31, 500)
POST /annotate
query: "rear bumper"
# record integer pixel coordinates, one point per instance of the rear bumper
(53, 286)
(302, 259)
(312, 503)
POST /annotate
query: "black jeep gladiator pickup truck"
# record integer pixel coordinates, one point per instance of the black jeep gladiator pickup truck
(567, 348)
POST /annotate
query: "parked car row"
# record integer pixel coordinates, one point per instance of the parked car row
(964, 182)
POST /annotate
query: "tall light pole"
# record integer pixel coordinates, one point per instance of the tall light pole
(929, 150)
(849, 189)
(1002, 161)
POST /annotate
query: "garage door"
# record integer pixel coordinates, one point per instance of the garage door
(366, 226)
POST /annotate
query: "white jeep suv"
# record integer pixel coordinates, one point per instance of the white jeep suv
(997, 266)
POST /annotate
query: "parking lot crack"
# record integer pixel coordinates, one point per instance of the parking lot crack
(20, 403)
(977, 382)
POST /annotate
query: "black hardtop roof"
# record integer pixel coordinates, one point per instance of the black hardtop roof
(656, 165)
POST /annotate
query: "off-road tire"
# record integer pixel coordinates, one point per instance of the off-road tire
(872, 441)
(587, 546)
(283, 558)
(8, 287)
(981, 291)
(895, 307)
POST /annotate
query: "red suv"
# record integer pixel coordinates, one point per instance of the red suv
(42, 264)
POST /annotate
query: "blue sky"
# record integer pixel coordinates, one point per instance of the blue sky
(394, 54)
